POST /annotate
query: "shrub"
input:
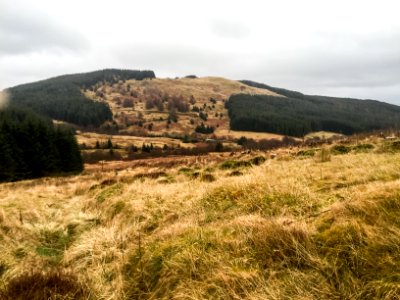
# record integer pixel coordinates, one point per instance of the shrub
(235, 173)
(234, 164)
(207, 177)
(98, 155)
(219, 147)
(258, 160)
(390, 147)
(203, 116)
(308, 152)
(242, 140)
(204, 129)
(128, 103)
(363, 147)
(152, 175)
(340, 149)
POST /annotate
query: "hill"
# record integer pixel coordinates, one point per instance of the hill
(297, 114)
(309, 224)
(172, 107)
(135, 103)
(62, 97)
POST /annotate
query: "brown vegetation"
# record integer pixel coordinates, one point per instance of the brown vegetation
(294, 227)
(172, 106)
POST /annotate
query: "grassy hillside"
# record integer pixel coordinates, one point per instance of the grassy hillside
(309, 224)
(170, 106)
(298, 114)
(62, 98)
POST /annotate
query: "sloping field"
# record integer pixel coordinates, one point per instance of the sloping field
(295, 227)
(203, 88)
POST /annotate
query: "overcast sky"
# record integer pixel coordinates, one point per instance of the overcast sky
(339, 48)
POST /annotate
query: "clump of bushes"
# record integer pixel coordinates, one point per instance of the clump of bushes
(91, 157)
(205, 129)
(235, 173)
(258, 160)
(393, 146)
(152, 175)
(340, 149)
(363, 147)
(207, 177)
(185, 170)
(235, 164)
(308, 152)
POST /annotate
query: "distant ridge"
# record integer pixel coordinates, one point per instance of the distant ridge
(298, 114)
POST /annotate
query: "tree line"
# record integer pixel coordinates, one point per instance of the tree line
(31, 146)
(298, 114)
(62, 98)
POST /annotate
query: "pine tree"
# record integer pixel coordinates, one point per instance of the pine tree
(31, 147)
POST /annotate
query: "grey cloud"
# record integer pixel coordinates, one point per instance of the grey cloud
(22, 31)
(364, 66)
(356, 60)
(229, 29)
(175, 59)
(337, 64)
(368, 68)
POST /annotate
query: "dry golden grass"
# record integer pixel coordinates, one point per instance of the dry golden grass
(291, 228)
(202, 88)
(90, 139)
(232, 134)
(322, 135)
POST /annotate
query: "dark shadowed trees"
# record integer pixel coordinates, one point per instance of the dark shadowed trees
(31, 147)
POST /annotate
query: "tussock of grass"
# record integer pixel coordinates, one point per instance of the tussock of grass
(255, 199)
(363, 147)
(54, 242)
(307, 152)
(152, 175)
(389, 147)
(235, 173)
(108, 193)
(3, 268)
(207, 177)
(234, 164)
(340, 149)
